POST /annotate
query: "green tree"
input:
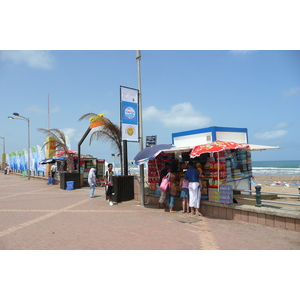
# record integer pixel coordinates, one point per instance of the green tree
(108, 132)
(61, 143)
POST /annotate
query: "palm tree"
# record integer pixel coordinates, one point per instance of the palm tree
(61, 143)
(107, 132)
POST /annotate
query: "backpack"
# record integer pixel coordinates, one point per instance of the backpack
(165, 183)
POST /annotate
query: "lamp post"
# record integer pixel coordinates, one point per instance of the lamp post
(28, 154)
(142, 175)
(3, 162)
(114, 156)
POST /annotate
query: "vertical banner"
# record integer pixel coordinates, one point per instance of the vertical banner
(129, 114)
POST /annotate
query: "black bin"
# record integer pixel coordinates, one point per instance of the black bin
(64, 177)
(123, 187)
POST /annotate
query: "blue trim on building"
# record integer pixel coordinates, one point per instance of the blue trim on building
(212, 130)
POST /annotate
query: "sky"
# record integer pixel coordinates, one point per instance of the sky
(203, 64)
(181, 90)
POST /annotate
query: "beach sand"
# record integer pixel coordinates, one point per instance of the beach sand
(268, 184)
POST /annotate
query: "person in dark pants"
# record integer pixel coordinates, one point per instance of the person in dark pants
(109, 184)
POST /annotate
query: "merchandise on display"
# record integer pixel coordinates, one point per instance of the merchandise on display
(219, 172)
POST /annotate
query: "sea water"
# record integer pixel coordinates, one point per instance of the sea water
(276, 168)
(268, 168)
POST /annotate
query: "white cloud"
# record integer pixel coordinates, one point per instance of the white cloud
(182, 115)
(281, 125)
(271, 135)
(39, 59)
(69, 132)
(291, 92)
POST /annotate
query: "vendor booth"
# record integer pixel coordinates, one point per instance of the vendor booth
(225, 164)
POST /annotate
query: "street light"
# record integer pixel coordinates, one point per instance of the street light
(114, 156)
(3, 162)
(25, 119)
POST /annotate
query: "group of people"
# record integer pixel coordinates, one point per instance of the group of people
(108, 183)
(190, 188)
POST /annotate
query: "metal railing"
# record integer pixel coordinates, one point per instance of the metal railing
(258, 195)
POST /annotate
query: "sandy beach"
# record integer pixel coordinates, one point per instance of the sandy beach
(268, 183)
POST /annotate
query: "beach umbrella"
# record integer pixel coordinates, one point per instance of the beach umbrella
(64, 152)
(216, 146)
(47, 161)
(150, 153)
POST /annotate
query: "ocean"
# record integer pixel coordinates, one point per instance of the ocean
(267, 168)
(276, 168)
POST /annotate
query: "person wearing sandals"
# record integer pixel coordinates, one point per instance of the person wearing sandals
(174, 177)
(184, 195)
(193, 176)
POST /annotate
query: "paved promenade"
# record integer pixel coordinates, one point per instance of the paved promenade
(34, 215)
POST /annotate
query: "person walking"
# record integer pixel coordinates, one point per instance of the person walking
(92, 181)
(109, 184)
(163, 195)
(174, 177)
(193, 176)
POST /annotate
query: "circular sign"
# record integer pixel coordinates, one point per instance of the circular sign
(130, 130)
(129, 113)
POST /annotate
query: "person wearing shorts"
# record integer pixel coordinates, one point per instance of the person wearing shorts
(109, 184)
(184, 195)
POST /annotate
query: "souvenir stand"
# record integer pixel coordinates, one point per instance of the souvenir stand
(86, 163)
(221, 171)
(100, 172)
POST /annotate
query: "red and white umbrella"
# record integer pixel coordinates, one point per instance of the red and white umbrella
(216, 146)
(64, 152)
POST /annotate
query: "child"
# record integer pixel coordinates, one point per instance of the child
(184, 194)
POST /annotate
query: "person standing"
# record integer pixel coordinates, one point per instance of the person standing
(109, 184)
(184, 195)
(92, 181)
(174, 177)
(193, 176)
(53, 170)
(163, 195)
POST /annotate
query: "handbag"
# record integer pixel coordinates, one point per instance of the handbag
(165, 183)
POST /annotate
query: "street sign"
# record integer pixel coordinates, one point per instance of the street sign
(150, 140)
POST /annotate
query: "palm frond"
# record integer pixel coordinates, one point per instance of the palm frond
(87, 116)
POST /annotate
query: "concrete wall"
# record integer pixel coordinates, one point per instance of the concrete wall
(266, 216)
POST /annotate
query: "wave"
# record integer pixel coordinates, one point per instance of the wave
(275, 171)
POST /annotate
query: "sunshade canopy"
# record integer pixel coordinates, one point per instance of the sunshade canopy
(216, 146)
(64, 152)
(47, 161)
(150, 153)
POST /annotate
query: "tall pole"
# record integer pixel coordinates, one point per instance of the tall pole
(3, 155)
(28, 149)
(48, 111)
(142, 176)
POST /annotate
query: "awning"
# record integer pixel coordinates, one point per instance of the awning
(253, 147)
(178, 150)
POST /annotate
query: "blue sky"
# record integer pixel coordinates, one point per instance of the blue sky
(181, 90)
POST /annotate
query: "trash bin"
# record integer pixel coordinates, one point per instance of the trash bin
(123, 188)
(64, 177)
(50, 180)
(70, 185)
